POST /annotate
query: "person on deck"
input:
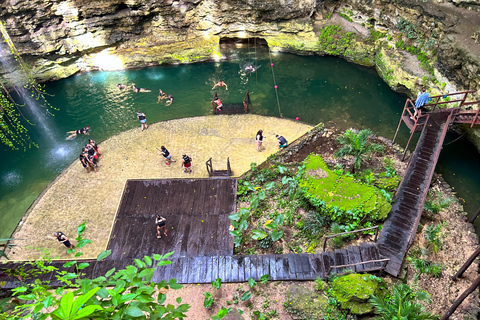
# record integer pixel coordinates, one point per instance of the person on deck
(63, 239)
(160, 222)
(161, 95)
(259, 139)
(219, 104)
(187, 163)
(83, 159)
(422, 99)
(169, 100)
(143, 120)
(282, 142)
(164, 152)
(73, 134)
(220, 84)
(94, 146)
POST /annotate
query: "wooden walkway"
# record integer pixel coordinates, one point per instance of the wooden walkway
(234, 268)
(400, 228)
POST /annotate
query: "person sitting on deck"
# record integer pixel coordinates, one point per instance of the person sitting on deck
(169, 100)
(161, 95)
(220, 84)
(74, 133)
(218, 103)
(282, 142)
(422, 99)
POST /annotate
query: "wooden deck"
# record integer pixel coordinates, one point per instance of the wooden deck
(399, 229)
(197, 218)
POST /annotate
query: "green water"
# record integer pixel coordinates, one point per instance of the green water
(315, 89)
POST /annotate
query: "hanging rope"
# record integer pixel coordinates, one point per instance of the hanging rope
(454, 140)
(275, 82)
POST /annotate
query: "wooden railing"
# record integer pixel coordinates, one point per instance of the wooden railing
(209, 167)
(347, 232)
(246, 102)
(354, 265)
(229, 169)
(437, 102)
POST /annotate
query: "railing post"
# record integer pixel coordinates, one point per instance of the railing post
(376, 234)
(325, 243)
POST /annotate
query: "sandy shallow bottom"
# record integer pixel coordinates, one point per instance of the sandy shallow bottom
(75, 197)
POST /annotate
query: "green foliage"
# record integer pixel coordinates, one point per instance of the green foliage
(375, 35)
(217, 283)
(433, 237)
(408, 29)
(357, 145)
(208, 301)
(344, 16)
(435, 202)
(333, 41)
(314, 224)
(341, 198)
(403, 304)
(422, 265)
(122, 294)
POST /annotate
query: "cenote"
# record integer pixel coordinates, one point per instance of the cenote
(313, 88)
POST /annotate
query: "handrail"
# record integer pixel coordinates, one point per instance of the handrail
(208, 163)
(246, 102)
(354, 265)
(214, 105)
(229, 170)
(346, 232)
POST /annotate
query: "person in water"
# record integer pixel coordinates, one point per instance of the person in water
(421, 100)
(73, 134)
(218, 103)
(161, 95)
(220, 84)
(63, 239)
(137, 89)
(160, 222)
(169, 100)
(143, 120)
(259, 138)
(250, 68)
(164, 152)
(282, 142)
(121, 86)
(187, 163)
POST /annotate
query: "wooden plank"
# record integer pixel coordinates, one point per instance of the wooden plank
(273, 267)
(215, 271)
(202, 269)
(209, 277)
(193, 270)
(354, 257)
(177, 271)
(248, 267)
(228, 269)
(317, 264)
(187, 265)
(221, 268)
(328, 260)
(234, 271)
(341, 258)
(241, 269)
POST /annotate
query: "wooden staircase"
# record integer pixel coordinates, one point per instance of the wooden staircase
(218, 173)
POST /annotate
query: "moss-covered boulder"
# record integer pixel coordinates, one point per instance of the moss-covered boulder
(305, 303)
(354, 290)
(342, 192)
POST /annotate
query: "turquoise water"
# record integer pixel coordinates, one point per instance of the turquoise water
(315, 89)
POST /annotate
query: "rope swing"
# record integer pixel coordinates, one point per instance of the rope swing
(274, 82)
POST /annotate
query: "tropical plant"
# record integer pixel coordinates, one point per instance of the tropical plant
(433, 237)
(4, 244)
(357, 145)
(403, 304)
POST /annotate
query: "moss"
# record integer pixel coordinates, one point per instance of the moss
(388, 183)
(342, 192)
(306, 304)
(354, 290)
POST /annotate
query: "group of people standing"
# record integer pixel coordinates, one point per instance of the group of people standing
(89, 156)
(282, 142)
(186, 160)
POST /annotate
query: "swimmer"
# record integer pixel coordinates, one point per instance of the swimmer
(143, 120)
(220, 84)
(137, 89)
(73, 134)
(169, 100)
(121, 86)
(161, 95)
(250, 68)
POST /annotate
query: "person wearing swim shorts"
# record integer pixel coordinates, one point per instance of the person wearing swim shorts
(169, 100)
(282, 142)
(164, 152)
(143, 120)
(187, 163)
(84, 161)
(160, 222)
(74, 133)
(63, 239)
(220, 84)
(218, 103)
(161, 95)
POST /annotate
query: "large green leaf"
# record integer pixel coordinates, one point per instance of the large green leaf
(80, 301)
(82, 243)
(103, 254)
(82, 265)
(86, 311)
(259, 234)
(81, 228)
(148, 260)
(69, 264)
(134, 312)
(247, 295)
(276, 235)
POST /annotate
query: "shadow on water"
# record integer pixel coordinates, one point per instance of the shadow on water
(315, 89)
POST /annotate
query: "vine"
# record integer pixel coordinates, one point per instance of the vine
(12, 132)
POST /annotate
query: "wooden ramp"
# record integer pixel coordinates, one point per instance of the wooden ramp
(235, 268)
(401, 225)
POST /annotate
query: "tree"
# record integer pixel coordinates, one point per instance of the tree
(402, 305)
(357, 145)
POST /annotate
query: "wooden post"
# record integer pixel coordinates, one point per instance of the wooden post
(214, 105)
(400, 123)
(466, 264)
(475, 217)
(476, 116)
(460, 299)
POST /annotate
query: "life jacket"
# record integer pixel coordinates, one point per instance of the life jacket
(186, 160)
(218, 102)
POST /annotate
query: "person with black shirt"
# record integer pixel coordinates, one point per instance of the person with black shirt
(164, 152)
(259, 138)
(63, 239)
(143, 120)
(84, 161)
(282, 142)
(160, 222)
(187, 163)
(74, 133)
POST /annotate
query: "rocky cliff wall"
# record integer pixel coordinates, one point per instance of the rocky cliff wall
(411, 43)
